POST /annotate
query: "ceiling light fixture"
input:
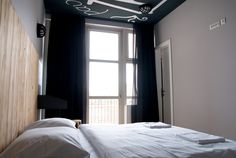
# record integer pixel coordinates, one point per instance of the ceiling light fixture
(145, 8)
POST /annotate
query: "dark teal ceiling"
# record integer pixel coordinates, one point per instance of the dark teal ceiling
(116, 10)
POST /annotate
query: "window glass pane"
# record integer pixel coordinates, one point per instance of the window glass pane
(130, 45)
(131, 101)
(103, 45)
(129, 79)
(103, 79)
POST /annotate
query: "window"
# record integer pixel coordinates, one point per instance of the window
(110, 73)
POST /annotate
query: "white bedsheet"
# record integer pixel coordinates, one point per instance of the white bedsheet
(86, 145)
(138, 141)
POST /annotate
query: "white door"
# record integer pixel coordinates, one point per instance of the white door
(164, 81)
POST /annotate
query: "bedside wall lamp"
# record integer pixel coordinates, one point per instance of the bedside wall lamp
(41, 30)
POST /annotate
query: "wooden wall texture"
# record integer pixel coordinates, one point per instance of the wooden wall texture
(18, 76)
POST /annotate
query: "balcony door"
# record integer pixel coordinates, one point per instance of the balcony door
(108, 64)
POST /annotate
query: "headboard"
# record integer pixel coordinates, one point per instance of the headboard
(18, 76)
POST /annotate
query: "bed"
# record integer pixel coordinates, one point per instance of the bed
(59, 138)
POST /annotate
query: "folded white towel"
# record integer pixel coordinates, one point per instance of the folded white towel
(201, 138)
(156, 125)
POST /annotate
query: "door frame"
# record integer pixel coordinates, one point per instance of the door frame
(166, 43)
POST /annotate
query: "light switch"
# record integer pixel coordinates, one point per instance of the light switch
(223, 21)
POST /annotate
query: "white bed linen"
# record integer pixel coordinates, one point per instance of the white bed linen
(156, 125)
(201, 138)
(51, 142)
(86, 145)
(138, 141)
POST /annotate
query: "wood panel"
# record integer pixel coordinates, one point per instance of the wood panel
(18, 76)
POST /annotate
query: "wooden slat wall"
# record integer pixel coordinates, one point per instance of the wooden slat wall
(18, 76)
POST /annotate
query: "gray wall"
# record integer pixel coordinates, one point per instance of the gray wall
(31, 12)
(204, 65)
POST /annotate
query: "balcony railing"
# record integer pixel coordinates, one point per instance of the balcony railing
(104, 111)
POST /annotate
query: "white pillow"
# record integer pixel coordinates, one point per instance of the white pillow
(52, 122)
(51, 142)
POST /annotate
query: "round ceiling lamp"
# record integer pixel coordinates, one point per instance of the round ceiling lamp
(145, 8)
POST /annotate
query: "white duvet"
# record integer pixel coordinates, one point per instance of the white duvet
(138, 141)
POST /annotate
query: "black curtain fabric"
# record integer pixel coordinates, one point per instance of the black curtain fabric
(66, 66)
(147, 105)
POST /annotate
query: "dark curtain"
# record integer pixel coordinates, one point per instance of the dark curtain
(66, 66)
(146, 109)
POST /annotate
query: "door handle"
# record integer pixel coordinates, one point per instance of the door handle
(162, 92)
